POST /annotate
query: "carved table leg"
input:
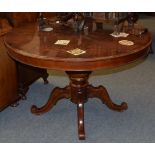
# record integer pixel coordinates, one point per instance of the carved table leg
(79, 85)
(56, 94)
(79, 91)
(101, 92)
(80, 115)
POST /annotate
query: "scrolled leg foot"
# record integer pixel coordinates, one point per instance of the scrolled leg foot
(34, 109)
(56, 94)
(101, 93)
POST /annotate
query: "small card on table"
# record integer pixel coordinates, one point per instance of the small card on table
(62, 42)
(121, 34)
(76, 51)
(126, 42)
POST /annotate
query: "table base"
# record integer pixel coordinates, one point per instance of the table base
(79, 90)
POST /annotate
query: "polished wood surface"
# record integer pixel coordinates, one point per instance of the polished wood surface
(30, 46)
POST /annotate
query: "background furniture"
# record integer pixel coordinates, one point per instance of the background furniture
(8, 71)
(15, 77)
(8, 78)
(27, 75)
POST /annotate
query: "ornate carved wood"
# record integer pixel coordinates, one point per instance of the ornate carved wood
(79, 90)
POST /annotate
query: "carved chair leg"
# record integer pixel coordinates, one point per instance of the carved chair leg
(56, 94)
(45, 81)
(15, 104)
(23, 96)
(101, 93)
(80, 115)
(45, 76)
(22, 90)
(151, 49)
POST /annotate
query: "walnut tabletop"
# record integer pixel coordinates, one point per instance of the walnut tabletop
(30, 46)
(101, 51)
